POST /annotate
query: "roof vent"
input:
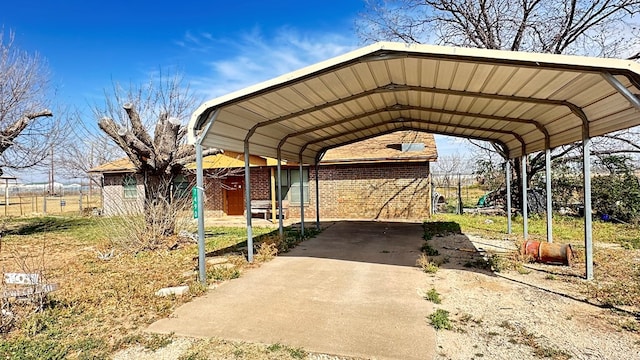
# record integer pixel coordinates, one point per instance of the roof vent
(411, 147)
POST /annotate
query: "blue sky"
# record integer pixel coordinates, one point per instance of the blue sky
(219, 45)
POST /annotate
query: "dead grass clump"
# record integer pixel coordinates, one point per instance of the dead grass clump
(266, 252)
(510, 261)
(428, 264)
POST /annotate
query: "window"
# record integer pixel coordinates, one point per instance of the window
(130, 186)
(290, 185)
(181, 187)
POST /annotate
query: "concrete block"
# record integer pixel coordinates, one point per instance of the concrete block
(176, 290)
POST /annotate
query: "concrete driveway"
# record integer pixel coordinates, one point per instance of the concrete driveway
(350, 291)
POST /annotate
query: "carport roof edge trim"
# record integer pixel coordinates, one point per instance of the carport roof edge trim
(388, 50)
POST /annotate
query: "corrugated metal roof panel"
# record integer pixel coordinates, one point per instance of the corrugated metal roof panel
(383, 87)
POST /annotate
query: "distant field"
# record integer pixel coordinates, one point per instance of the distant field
(29, 204)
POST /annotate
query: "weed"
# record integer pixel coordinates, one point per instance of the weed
(427, 265)
(154, 342)
(275, 347)
(222, 272)
(493, 333)
(433, 296)
(522, 270)
(547, 352)
(297, 353)
(429, 250)
(551, 277)
(630, 325)
(465, 318)
(33, 348)
(440, 320)
(266, 252)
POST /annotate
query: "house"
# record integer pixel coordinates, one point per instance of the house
(385, 177)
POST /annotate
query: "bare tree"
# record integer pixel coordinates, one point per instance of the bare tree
(87, 147)
(27, 129)
(587, 27)
(127, 117)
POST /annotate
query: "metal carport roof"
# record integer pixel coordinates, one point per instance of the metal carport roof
(524, 101)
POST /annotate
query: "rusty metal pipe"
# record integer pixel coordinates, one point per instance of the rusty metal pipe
(548, 252)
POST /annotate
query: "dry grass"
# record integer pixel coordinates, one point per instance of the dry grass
(102, 305)
(616, 250)
(30, 205)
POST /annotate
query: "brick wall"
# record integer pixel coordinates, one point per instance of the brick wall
(369, 191)
(260, 183)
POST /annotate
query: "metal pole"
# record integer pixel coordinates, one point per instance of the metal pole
(6, 196)
(317, 198)
(525, 210)
(588, 245)
(200, 197)
(547, 165)
(247, 191)
(301, 198)
(508, 181)
(280, 210)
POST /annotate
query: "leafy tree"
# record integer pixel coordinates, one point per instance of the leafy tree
(160, 156)
(617, 194)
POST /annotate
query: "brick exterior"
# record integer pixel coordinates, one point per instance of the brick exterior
(348, 191)
(369, 191)
(260, 183)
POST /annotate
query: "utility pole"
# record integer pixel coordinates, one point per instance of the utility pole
(52, 187)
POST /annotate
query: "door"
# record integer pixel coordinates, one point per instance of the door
(234, 196)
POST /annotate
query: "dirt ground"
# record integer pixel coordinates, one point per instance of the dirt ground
(526, 314)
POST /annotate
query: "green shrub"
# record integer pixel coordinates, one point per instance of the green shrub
(433, 296)
(429, 250)
(440, 320)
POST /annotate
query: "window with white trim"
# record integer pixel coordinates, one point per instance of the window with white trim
(130, 186)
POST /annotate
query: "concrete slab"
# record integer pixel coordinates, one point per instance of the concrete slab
(352, 291)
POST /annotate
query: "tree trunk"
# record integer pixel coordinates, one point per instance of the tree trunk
(159, 210)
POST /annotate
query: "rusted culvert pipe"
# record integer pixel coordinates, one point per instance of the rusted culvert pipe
(550, 253)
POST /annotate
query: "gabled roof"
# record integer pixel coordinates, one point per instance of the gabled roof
(387, 147)
(524, 101)
(228, 159)
(123, 165)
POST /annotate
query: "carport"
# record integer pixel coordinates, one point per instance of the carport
(523, 102)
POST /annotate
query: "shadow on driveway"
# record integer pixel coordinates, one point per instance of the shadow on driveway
(350, 291)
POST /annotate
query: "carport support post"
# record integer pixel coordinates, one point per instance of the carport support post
(280, 210)
(588, 245)
(547, 165)
(508, 181)
(200, 203)
(247, 201)
(525, 210)
(317, 198)
(301, 198)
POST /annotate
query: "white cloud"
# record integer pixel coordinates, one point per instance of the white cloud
(254, 57)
